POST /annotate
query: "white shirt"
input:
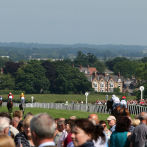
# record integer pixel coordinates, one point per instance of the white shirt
(115, 100)
(10, 97)
(123, 102)
(50, 143)
(62, 138)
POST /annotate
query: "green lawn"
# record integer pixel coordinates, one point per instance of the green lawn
(44, 98)
(57, 113)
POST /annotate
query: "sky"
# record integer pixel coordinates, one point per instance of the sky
(74, 21)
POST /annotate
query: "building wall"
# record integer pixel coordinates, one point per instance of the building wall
(106, 86)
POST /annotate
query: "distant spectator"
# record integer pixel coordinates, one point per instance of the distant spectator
(68, 140)
(112, 123)
(43, 128)
(73, 117)
(63, 135)
(106, 130)
(6, 141)
(15, 121)
(94, 118)
(58, 132)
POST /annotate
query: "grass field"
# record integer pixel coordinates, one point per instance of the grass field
(57, 113)
(44, 98)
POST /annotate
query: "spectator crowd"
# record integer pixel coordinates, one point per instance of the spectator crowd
(42, 130)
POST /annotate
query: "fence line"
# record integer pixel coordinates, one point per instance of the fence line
(134, 109)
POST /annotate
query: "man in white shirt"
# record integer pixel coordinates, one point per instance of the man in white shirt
(42, 129)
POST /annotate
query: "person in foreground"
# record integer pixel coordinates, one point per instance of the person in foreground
(84, 133)
(6, 141)
(24, 138)
(119, 137)
(42, 129)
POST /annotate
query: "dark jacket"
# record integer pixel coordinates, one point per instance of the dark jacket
(88, 144)
(24, 140)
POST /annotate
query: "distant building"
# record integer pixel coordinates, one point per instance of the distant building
(102, 82)
(107, 83)
(88, 71)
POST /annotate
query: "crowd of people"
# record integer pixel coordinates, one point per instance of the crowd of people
(142, 102)
(42, 130)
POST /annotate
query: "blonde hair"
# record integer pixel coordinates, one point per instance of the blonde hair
(135, 122)
(6, 141)
(27, 120)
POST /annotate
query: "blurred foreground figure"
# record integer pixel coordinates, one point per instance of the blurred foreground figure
(139, 135)
(6, 141)
(4, 125)
(86, 134)
(43, 128)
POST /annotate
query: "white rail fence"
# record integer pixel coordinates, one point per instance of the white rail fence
(134, 109)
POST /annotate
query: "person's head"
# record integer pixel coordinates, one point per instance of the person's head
(60, 125)
(6, 141)
(18, 114)
(15, 121)
(4, 125)
(103, 124)
(26, 126)
(29, 113)
(22, 94)
(73, 117)
(68, 124)
(62, 119)
(135, 122)
(123, 97)
(84, 130)
(94, 118)
(143, 117)
(42, 127)
(123, 124)
(111, 121)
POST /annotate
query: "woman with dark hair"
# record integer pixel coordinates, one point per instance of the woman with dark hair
(119, 137)
(85, 133)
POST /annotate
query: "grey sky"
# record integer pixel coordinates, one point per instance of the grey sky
(74, 21)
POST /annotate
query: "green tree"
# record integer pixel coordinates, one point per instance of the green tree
(70, 80)
(7, 82)
(31, 78)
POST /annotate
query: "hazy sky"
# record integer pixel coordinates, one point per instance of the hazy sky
(74, 21)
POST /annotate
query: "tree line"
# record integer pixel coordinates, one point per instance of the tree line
(63, 76)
